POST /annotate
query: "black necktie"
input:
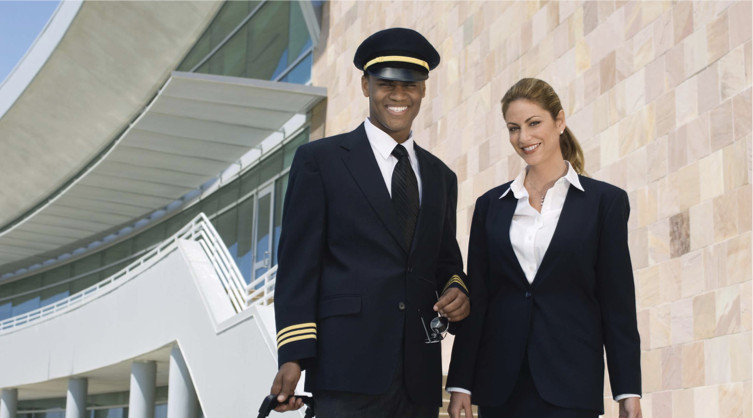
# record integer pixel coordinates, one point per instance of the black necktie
(405, 194)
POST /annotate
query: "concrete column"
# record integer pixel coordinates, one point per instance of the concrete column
(75, 402)
(181, 396)
(8, 403)
(143, 382)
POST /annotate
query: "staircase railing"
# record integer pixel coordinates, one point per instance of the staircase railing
(201, 230)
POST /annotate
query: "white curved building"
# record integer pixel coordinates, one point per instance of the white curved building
(145, 150)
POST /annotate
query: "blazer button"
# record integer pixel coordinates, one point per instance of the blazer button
(528, 295)
(401, 306)
(410, 269)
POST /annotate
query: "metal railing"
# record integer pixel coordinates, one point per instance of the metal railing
(201, 230)
(261, 291)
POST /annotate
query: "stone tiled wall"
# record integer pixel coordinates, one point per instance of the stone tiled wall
(659, 94)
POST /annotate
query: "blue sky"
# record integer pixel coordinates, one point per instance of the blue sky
(20, 23)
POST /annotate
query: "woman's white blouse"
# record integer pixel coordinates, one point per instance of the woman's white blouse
(531, 231)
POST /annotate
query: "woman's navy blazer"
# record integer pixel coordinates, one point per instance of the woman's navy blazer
(581, 302)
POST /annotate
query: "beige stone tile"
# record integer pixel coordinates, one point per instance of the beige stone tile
(738, 259)
(703, 13)
(698, 142)
(715, 261)
(717, 361)
(660, 318)
(709, 90)
(747, 401)
(693, 368)
(607, 72)
(696, 55)
(740, 358)
(648, 290)
(741, 108)
(692, 273)
(636, 168)
(646, 205)
(661, 405)
(701, 225)
(643, 48)
(617, 104)
(712, 175)
(683, 403)
(725, 217)
(677, 146)
(682, 20)
(657, 158)
(739, 23)
(727, 310)
(670, 285)
(746, 306)
(671, 359)
(675, 65)
(651, 370)
(635, 88)
(682, 331)
(717, 33)
(721, 125)
(658, 241)
(704, 315)
(590, 84)
(686, 181)
(686, 101)
(731, 400)
(663, 33)
(706, 400)
(665, 123)
(744, 212)
(637, 240)
(656, 79)
(679, 234)
(732, 72)
(735, 165)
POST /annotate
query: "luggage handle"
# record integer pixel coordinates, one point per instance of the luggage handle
(270, 403)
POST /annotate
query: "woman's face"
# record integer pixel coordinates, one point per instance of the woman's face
(533, 133)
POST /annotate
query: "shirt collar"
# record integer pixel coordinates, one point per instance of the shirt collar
(383, 144)
(519, 190)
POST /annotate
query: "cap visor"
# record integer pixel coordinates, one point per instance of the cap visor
(398, 74)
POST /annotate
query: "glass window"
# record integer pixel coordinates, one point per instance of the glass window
(270, 167)
(244, 258)
(86, 264)
(26, 302)
(263, 240)
(150, 237)
(227, 226)
(291, 147)
(228, 194)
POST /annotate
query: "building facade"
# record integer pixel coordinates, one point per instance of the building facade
(657, 92)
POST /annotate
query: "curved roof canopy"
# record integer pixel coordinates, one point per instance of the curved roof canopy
(93, 142)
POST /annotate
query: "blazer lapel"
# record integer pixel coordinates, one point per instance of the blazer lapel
(363, 167)
(573, 207)
(430, 195)
(503, 223)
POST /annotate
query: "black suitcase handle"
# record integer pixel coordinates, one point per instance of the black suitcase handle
(270, 403)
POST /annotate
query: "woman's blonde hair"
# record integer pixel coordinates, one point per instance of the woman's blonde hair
(541, 93)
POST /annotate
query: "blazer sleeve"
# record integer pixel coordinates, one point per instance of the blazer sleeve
(302, 241)
(468, 337)
(450, 262)
(616, 293)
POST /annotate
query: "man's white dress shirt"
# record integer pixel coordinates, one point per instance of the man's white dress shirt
(382, 144)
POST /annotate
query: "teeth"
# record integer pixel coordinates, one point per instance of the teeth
(530, 148)
(397, 109)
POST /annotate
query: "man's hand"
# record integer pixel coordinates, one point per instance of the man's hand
(460, 402)
(454, 305)
(630, 408)
(284, 386)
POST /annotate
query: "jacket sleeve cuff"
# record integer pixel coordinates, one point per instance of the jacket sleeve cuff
(625, 396)
(456, 281)
(296, 342)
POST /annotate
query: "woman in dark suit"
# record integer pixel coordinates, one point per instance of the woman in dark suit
(551, 282)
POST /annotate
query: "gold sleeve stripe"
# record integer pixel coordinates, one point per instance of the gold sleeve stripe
(293, 339)
(299, 332)
(299, 326)
(398, 58)
(455, 279)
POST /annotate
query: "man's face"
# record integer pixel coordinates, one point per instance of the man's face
(393, 104)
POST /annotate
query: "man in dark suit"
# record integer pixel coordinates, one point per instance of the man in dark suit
(368, 255)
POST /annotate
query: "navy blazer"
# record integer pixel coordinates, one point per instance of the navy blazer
(581, 301)
(349, 296)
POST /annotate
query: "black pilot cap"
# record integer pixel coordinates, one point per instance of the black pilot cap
(398, 54)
